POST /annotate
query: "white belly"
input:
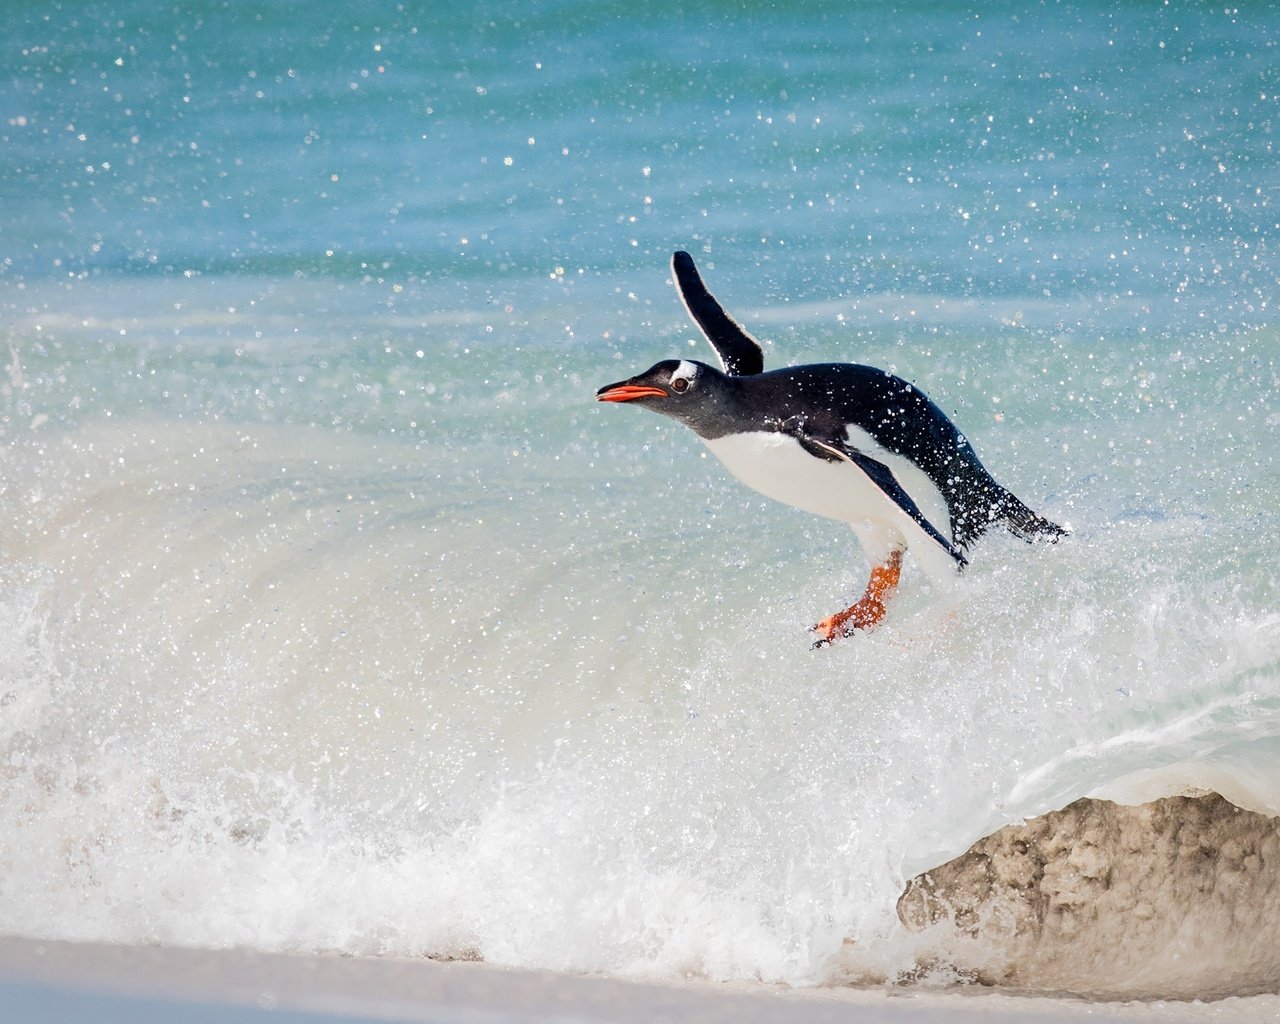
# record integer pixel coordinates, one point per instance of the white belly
(775, 465)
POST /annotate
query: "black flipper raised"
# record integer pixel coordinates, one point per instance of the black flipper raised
(882, 476)
(740, 354)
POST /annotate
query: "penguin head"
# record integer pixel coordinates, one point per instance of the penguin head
(684, 389)
(663, 387)
(678, 388)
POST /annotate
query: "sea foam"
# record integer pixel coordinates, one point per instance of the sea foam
(260, 695)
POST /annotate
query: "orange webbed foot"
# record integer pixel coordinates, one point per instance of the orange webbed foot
(868, 610)
(863, 615)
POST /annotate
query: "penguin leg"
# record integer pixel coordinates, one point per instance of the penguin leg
(869, 609)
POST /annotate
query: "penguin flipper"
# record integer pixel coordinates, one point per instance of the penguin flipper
(740, 354)
(882, 476)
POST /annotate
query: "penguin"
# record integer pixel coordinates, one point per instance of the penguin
(840, 440)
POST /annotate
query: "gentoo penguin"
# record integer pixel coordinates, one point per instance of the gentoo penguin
(839, 440)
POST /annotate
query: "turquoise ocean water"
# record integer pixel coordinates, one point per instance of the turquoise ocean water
(337, 615)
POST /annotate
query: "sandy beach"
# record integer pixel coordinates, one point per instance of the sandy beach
(43, 982)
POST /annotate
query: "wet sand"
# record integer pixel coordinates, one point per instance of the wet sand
(44, 981)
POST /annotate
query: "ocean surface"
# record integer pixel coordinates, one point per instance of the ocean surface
(336, 615)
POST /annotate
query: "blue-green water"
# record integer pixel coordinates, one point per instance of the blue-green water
(1096, 153)
(336, 613)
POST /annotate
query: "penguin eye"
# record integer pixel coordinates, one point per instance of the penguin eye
(679, 385)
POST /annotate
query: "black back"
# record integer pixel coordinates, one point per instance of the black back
(821, 399)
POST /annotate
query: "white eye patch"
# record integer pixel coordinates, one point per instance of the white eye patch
(686, 369)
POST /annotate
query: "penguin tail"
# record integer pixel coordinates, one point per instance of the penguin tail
(1025, 524)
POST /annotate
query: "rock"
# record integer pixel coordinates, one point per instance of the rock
(1178, 898)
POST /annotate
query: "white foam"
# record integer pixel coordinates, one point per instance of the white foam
(267, 689)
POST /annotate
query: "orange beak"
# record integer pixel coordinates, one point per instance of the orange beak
(629, 392)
